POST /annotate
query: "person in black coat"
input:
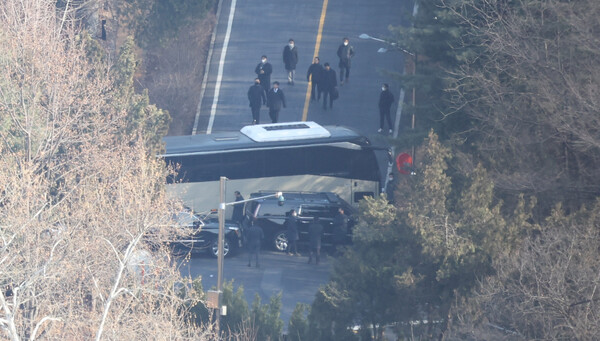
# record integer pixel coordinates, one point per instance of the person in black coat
(254, 236)
(314, 75)
(315, 230)
(257, 97)
(291, 233)
(264, 70)
(290, 59)
(328, 83)
(238, 209)
(386, 98)
(340, 229)
(275, 100)
(345, 52)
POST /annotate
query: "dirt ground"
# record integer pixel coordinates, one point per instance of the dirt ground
(173, 73)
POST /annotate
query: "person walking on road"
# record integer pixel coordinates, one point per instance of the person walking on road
(386, 98)
(238, 209)
(264, 70)
(291, 232)
(290, 59)
(275, 100)
(328, 83)
(257, 97)
(340, 229)
(314, 75)
(345, 52)
(254, 237)
(315, 230)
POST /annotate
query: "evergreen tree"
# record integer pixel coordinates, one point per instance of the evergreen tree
(237, 308)
(266, 320)
(298, 325)
(412, 261)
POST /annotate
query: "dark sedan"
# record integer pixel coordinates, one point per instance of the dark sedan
(201, 234)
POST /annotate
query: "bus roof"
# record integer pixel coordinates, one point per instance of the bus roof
(291, 134)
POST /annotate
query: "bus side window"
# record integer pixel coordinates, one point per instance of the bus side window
(241, 165)
(282, 162)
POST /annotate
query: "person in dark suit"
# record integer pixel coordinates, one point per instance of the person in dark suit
(257, 97)
(315, 230)
(254, 236)
(386, 98)
(345, 52)
(275, 100)
(291, 232)
(340, 229)
(238, 209)
(328, 83)
(290, 59)
(264, 70)
(314, 75)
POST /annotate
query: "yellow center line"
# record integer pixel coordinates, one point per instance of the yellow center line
(316, 54)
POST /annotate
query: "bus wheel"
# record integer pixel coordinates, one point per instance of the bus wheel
(214, 248)
(280, 241)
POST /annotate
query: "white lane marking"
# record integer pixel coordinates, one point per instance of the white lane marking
(213, 109)
(207, 67)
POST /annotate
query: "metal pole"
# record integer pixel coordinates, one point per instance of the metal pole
(221, 217)
(414, 104)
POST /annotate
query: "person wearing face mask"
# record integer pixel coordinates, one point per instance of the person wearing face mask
(386, 98)
(264, 70)
(275, 100)
(290, 59)
(345, 52)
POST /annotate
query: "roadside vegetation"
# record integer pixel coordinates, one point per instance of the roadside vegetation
(494, 238)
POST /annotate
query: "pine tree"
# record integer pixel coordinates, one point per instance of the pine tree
(412, 261)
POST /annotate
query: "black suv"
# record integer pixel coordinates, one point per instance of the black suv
(202, 234)
(271, 215)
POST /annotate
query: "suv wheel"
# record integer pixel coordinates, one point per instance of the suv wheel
(214, 247)
(280, 241)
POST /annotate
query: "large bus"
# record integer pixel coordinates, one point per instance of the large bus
(294, 156)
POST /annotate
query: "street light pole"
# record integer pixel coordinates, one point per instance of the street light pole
(220, 241)
(221, 217)
(414, 103)
(414, 73)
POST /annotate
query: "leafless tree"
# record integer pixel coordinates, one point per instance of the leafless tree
(546, 291)
(534, 90)
(82, 209)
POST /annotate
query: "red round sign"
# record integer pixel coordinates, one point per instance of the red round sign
(404, 162)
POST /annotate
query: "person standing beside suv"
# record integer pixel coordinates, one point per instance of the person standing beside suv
(254, 236)
(340, 228)
(292, 233)
(315, 230)
(238, 209)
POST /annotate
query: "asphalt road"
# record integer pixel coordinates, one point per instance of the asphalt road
(264, 27)
(297, 280)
